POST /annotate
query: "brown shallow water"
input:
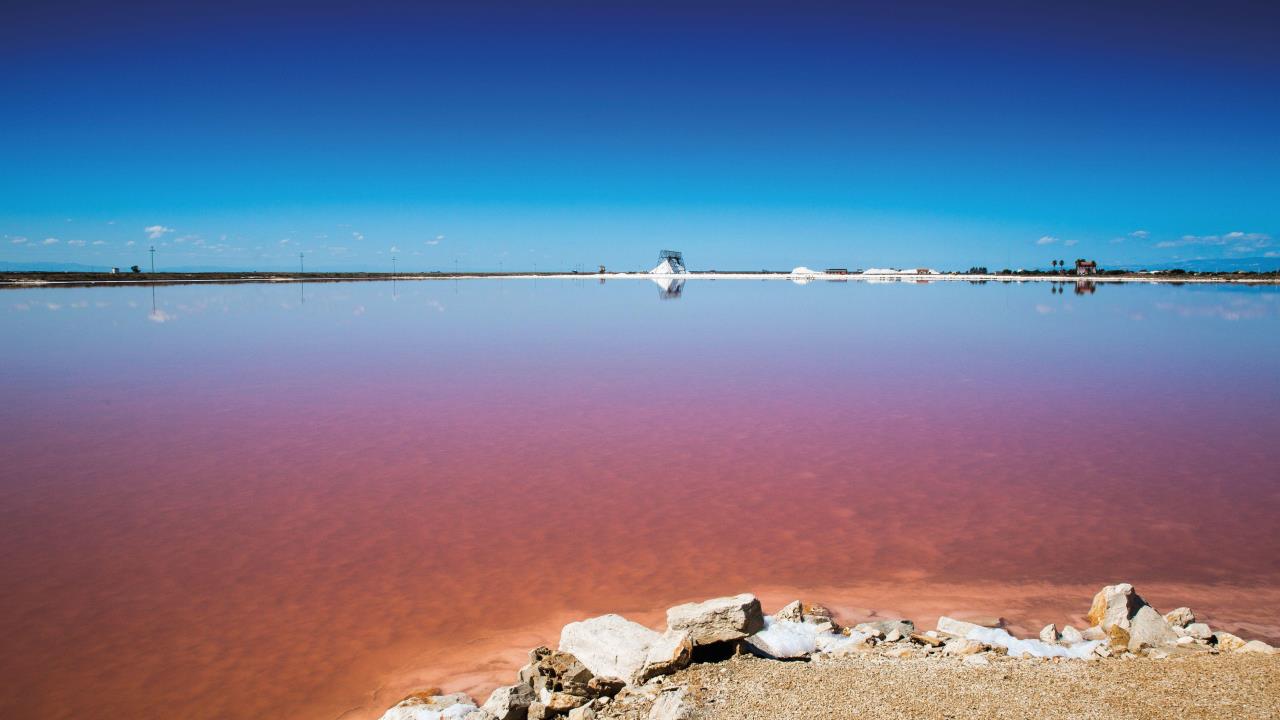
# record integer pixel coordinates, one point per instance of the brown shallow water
(240, 504)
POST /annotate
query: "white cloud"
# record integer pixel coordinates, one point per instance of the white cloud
(76, 243)
(1047, 240)
(1071, 243)
(155, 232)
(129, 243)
(395, 249)
(434, 242)
(1243, 241)
(1140, 234)
(357, 236)
(49, 241)
(284, 241)
(1117, 241)
(18, 240)
(99, 242)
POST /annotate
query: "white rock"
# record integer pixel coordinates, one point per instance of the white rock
(434, 707)
(958, 628)
(1257, 646)
(1186, 640)
(975, 660)
(671, 706)
(582, 713)
(1070, 635)
(719, 619)
(1198, 631)
(1049, 633)
(609, 645)
(1147, 628)
(1227, 641)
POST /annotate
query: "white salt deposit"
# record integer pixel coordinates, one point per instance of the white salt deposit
(424, 712)
(666, 267)
(791, 639)
(1032, 648)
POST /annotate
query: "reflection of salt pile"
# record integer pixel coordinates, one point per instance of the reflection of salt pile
(803, 275)
(670, 262)
(669, 288)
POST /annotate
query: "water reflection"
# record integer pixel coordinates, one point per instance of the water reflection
(668, 288)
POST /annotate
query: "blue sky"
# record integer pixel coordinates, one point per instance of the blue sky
(749, 135)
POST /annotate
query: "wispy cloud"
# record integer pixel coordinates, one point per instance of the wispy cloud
(357, 236)
(1240, 241)
(50, 241)
(99, 242)
(1071, 243)
(395, 249)
(1047, 240)
(76, 243)
(17, 240)
(155, 232)
(1140, 234)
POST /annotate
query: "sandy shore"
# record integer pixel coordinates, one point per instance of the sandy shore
(874, 686)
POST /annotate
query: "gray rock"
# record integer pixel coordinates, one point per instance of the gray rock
(671, 705)
(509, 703)
(1049, 633)
(1071, 636)
(1180, 617)
(582, 713)
(718, 620)
(609, 645)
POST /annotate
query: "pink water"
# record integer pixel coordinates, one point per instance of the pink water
(240, 505)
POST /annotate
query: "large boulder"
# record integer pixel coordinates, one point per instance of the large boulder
(431, 707)
(1127, 620)
(609, 645)
(718, 620)
(510, 702)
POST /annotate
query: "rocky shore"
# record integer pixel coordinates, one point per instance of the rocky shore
(724, 658)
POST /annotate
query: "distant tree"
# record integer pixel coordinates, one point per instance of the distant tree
(135, 268)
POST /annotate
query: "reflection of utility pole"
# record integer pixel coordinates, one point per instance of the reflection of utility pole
(301, 265)
(153, 258)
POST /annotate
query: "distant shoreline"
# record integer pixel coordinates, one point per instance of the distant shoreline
(14, 280)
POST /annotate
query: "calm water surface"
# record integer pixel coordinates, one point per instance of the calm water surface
(269, 501)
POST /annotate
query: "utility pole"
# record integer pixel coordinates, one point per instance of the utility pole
(393, 264)
(153, 259)
(301, 265)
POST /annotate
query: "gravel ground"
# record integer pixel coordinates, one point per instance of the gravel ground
(874, 686)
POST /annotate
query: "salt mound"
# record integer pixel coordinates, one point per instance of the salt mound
(667, 268)
(802, 270)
